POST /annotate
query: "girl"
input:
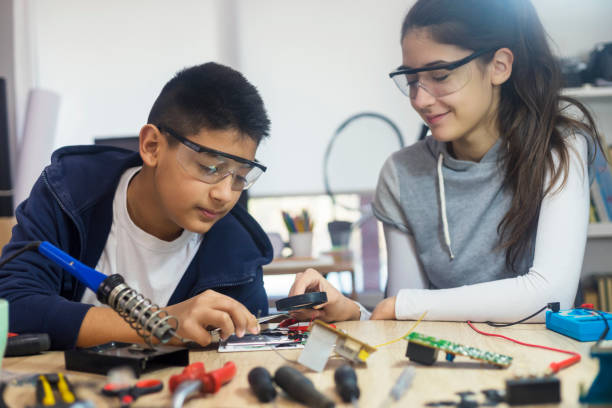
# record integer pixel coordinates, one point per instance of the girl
(486, 219)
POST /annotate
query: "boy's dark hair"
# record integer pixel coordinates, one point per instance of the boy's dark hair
(210, 96)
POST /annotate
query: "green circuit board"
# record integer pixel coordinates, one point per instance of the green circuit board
(459, 349)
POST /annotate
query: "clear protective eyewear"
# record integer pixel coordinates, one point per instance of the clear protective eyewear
(211, 166)
(436, 80)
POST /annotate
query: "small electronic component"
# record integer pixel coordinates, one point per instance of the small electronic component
(494, 397)
(321, 342)
(600, 391)
(423, 349)
(403, 382)
(533, 390)
(267, 339)
(579, 324)
(468, 399)
(421, 354)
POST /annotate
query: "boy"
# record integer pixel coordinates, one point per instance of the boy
(164, 219)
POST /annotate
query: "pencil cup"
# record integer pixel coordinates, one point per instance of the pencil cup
(301, 244)
(3, 326)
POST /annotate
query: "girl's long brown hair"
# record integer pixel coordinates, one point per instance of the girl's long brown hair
(532, 114)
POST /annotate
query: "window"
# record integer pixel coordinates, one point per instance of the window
(267, 211)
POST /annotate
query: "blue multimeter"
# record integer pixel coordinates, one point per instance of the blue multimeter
(579, 324)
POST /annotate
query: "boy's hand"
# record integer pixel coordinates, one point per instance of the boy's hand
(338, 307)
(385, 310)
(212, 309)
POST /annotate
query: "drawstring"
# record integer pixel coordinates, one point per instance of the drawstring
(443, 207)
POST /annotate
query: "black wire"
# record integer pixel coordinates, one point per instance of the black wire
(328, 150)
(606, 330)
(520, 321)
(601, 337)
(30, 246)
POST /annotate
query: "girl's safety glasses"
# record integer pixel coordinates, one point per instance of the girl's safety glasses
(436, 80)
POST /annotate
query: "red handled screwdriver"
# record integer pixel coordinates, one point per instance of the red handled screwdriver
(194, 378)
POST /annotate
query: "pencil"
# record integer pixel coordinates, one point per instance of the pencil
(289, 222)
(286, 221)
(306, 220)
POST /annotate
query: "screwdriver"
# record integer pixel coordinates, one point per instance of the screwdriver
(346, 384)
(195, 379)
(301, 388)
(401, 385)
(261, 384)
(26, 344)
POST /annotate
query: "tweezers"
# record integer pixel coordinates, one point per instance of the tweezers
(215, 334)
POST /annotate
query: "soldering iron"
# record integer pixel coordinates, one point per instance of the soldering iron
(147, 318)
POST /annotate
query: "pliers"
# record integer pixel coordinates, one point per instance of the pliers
(128, 393)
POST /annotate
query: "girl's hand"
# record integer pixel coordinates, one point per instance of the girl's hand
(337, 308)
(385, 310)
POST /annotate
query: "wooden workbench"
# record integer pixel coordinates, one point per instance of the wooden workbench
(432, 383)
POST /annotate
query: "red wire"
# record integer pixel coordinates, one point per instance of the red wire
(554, 366)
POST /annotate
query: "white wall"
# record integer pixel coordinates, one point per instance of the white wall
(315, 62)
(109, 59)
(575, 26)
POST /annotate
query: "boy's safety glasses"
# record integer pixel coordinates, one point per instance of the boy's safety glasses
(437, 80)
(211, 166)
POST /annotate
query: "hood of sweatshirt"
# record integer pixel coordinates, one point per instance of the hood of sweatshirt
(452, 208)
(445, 159)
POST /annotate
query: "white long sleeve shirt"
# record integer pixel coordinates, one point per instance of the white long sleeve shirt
(553, 276)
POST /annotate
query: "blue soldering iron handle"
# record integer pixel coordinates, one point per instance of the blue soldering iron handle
(89, 276)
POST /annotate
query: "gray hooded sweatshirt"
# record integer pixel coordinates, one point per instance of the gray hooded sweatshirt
(452, 208)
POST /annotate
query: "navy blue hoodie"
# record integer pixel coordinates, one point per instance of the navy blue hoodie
(71, 206)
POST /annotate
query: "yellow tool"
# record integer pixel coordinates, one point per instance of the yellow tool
(44, 389)
(44, 393)
(64, 389)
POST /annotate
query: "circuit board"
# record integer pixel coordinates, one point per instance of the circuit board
(458, 349)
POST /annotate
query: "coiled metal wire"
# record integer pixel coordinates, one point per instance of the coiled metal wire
(145, 317)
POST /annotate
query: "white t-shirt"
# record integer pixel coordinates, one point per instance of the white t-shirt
(148, 264)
